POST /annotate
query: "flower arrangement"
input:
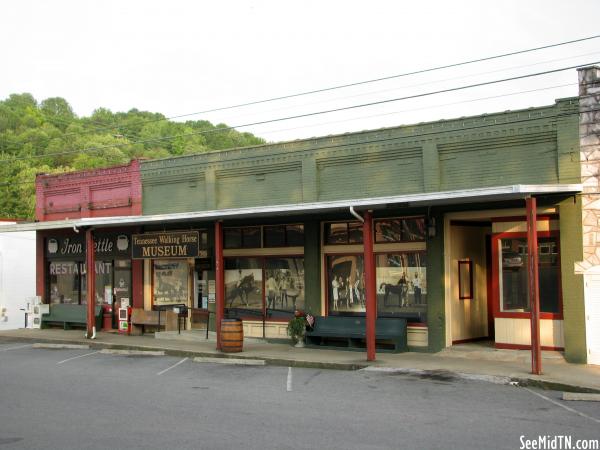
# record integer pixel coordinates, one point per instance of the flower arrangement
(297, 326)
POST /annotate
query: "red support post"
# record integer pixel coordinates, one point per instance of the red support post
(371, 301)
(90, 262)
(533, 282)
(219, 281)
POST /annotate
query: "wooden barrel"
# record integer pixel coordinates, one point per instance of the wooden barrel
(232, 335)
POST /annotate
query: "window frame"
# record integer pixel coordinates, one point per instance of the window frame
(263, 309)
(327, 281)
(347, 224)
(262, 229)
(285, 235)
(496, 278)
(401, 241)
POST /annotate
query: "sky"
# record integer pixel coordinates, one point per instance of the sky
(182, 57)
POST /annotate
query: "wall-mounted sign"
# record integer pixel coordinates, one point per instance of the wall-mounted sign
(105, 245)
(168, 244)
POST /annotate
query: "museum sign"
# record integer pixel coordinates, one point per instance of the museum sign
(171, 244)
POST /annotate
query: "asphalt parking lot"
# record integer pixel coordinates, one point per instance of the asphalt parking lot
(77, 398)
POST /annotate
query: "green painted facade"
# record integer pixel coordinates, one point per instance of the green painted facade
(532, 146)
(537, 145)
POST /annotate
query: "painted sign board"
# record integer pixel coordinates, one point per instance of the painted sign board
(168, 244)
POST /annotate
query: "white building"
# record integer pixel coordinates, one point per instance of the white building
(17, 276)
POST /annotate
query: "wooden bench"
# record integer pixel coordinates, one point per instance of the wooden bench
(349, 332)
(140, 319)
(69, 315)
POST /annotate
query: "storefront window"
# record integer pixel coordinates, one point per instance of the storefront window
(243, 283)
(283, 235)
(248, 237)
(232, 238)
(284, 283)
(413, 229)
(343, 233)
(399, 230)
(170, 282)
(64, 278)
(401, 283)
(294, 235)
(514, 291)
(274, 236)
(346, 284)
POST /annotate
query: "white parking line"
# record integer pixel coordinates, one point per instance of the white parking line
(289, 380)
(76, 357)
(173, 366)
(579, 413)
(15, 348)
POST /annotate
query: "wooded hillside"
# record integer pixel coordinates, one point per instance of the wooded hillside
(47, 137)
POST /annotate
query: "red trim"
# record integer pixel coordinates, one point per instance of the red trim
(137, 283)
(533, 281)
(219, 280)
(524, 347)
(40, 265)
(466, 341)
(371, 290)
(495, 278)
(416, 324)
(90, 258)
(488, 281)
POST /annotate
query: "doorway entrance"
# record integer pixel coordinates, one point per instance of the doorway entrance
(469, 280)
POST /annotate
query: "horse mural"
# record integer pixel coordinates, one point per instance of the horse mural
(401, 290)
(241, 290)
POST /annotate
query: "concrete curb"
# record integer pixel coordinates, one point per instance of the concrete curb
(494, 379)
(129, 352)
(271, 361)
(542, 383)
(233, 361)
(59, 346)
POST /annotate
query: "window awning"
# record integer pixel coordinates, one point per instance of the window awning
(462, 196)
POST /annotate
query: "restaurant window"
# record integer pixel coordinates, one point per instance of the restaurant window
(170, 282)
(243, 283)
(284, 283)
(65, 281)
(104, 287)
(399, 230)
(401, 279)
(343, 233)
(513, 262)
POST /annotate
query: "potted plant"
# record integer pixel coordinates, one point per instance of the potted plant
(297, 327)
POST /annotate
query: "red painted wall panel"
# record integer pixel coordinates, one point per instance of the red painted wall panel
(114, 191)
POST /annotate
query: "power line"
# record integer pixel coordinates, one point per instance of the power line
(421, 135)
(310, 114)
(439, 105)
(403, 111)
(358, 83)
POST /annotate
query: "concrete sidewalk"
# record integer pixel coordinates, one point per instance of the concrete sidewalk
(465, 361)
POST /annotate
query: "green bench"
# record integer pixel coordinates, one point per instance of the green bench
(349, 332)
(70, 315)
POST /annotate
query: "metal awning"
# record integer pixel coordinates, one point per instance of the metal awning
(498, 193)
